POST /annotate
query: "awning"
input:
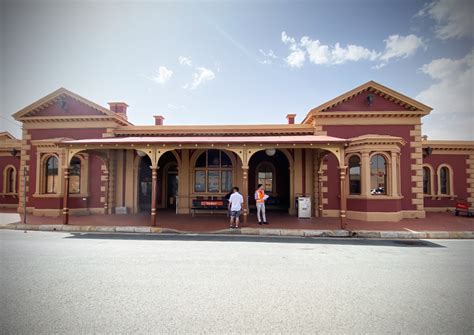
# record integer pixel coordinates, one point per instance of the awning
(303, 139)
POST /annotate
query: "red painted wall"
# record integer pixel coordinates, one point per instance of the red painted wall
(95, 173)
(459, 166)
(359, 103)
(71, 107)
(349, 131)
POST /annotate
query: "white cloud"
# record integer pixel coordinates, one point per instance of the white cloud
(453, 17)
(317, 52)
(287, 39)
(184, 61)
(164, 74)
(450, 97)
(397, 46)
(201, 76)
(352, 53)
(296, 58)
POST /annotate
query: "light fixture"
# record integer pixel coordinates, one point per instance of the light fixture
(370, 99)
(427, 151)
(14, 152)
(270, 152)
(140, 153)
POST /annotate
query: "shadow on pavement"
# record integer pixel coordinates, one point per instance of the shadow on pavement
(262, 239)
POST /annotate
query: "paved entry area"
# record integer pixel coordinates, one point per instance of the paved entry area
(91, 283)
(209, 223)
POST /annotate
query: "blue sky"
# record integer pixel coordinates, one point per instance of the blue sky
(239, 62)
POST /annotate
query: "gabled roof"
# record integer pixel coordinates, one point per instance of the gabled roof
(371, 86)
(5, 135)
(46, 101)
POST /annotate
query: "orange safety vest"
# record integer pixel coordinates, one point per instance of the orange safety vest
(260, 196)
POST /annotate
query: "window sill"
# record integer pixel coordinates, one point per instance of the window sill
(78, 195)
(10, 194)
(443, 196)
(375, 197)
(47, 195)
(59, 195)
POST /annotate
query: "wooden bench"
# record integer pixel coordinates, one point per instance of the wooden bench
(209, 205)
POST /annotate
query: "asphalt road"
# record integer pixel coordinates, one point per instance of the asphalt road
(88, 283)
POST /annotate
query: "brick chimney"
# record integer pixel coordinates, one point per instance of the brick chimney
(159, 120)
(120, 108)
(291, 118)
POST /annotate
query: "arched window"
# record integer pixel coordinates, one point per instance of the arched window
(9, 179)
(378, 175)
(75, 176)
(52, 177)
(426, 180)
(213, 172)
(266, 177)
(444, 180)
(354, 175)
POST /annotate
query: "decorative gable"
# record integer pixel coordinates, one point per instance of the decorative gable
(369, 99)
(64, 104)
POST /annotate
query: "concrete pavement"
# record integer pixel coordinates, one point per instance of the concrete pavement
(131, 283)
(267, 231)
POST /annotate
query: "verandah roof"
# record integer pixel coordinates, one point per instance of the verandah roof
(303, 139)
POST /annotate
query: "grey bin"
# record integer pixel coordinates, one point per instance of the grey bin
(304, 207)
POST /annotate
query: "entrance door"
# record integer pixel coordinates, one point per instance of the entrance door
(144, 185)
(171, 189)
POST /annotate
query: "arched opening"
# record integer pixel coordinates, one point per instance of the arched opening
(167, 182)
(273, 172)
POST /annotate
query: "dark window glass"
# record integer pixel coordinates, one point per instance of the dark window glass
(201, 161)
(444, 180)
(213, 158)
(426, 180)
(213, 172)
(10, 180)
(354, 175)
(200, 181)
(225, 160)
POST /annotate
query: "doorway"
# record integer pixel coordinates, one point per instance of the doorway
(171, 187)
(144, 184)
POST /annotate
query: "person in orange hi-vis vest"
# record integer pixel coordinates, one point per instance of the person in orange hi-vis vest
(260, 198)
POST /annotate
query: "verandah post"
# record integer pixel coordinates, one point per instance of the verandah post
(66, 196)
(154, 182)
(343, 197)
(245, 191)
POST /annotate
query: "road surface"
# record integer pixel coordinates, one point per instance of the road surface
(54, 282)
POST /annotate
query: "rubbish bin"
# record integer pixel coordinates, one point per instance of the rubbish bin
(304, 207)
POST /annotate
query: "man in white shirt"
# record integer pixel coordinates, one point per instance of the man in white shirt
(235, 206)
